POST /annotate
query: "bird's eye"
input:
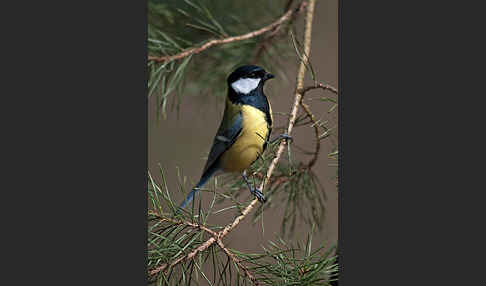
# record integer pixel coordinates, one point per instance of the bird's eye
(252, 75)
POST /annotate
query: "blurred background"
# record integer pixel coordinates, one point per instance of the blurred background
(181, 140)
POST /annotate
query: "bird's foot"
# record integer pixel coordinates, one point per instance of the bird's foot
(283, 136)
(254, 191)
(258, 194)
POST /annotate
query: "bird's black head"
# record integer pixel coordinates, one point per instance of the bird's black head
(246, 79)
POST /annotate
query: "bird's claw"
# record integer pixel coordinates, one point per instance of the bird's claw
(283, 136)
(286, 137)
(258, 194)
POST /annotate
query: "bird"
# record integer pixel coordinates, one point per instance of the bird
(244, 131)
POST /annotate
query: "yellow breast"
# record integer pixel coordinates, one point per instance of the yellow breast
(249, 144)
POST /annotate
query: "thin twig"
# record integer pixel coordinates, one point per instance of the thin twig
(197, 50)
(313, 119)
(295, 106)
(316, 131)
(275, 34)
(320, 85)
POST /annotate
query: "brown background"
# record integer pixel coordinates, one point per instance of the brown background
(186, 141)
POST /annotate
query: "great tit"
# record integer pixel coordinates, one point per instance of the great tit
(244, 131)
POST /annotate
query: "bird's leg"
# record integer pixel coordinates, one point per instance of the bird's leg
(283, 136)
(254, 191)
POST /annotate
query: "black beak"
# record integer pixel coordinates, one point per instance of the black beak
(268, 76)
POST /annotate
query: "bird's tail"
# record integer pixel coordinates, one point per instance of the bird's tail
(205, 177)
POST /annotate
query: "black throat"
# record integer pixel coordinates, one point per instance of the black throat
(255, 98)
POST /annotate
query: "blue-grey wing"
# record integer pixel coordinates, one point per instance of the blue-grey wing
(225, 137)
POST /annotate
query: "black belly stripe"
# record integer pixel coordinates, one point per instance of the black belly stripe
(257, 99)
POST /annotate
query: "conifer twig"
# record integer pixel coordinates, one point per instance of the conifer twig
(207, 45)
(313, 119)
(316, 131)
(293, 115)
(213, 234)
(322, 86)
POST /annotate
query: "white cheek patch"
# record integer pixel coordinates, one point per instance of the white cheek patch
(245, 85)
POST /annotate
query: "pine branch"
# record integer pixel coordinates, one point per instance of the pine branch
(197, 50)
(213, 234)
(180, 244)
(316, 129)
(298, 96)
(312, 118)
(321, 86)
